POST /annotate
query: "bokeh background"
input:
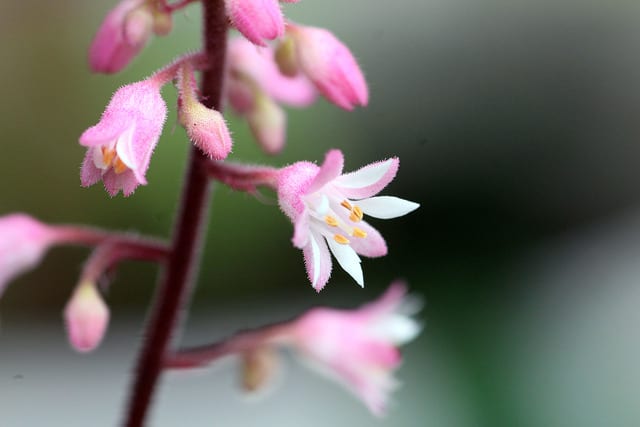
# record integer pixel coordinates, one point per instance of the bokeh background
(517, 125)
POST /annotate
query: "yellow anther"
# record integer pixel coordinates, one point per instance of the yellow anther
(119, 166)
(341, 239)
(331, 221)
(107, 155)
(357, 211)
(345, 204)
(358, 232)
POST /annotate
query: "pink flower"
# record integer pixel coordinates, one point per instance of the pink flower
(327, 208)
(359, 347)
(257, 20)
(121, 144)
(86, 316)
(23, 242)
(329, 64)
(122, 35)
(256, 86)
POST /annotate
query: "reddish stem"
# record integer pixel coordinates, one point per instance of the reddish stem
(173, 293)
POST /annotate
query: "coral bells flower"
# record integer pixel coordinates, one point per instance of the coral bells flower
(257, 20)
(328, 63)
(23, 242)
(121, 144)
(359, 347)
(124, 32)
(327, 210)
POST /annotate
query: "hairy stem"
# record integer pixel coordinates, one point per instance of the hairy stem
(175, 288)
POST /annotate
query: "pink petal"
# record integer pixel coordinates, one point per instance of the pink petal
(89, 173)
(301, 231)
(331, 169)
(368, 180)
(388, 302)
(107, 130)
(373, 245)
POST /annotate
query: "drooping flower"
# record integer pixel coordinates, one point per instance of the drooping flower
(121, 144)
(86, 316)
(327, 210)
(124, 33)
(327, 62)
(256, 87)
(257, 20)
(23, 242)
(359, 348)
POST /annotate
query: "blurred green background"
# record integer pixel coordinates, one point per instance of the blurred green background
(516, 123)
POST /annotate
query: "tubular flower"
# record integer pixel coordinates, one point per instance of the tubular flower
(255, 88)
(121, 144)
(257, 20)
(359, 348)
(124, 32)
(23, 242)
(327, 210)
(327, 62)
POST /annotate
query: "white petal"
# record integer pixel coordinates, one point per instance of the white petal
(386, 207)
(397, 328)
(348, 260)
(98, 158)
(315, 250)
(124, 148)
(364, 177)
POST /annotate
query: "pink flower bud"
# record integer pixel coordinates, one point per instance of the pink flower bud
(122, 35)
(121, 144)
(330, 66)
(360, 347)
(86, 316)
(257, 20)
(23, 242)
(206, 129)
(268, 123)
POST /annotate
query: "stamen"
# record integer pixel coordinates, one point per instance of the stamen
(107, 155)
(119, 166)
(331, 221)
(341, 239)
(345, 204)
(358, 232)
(357, 211)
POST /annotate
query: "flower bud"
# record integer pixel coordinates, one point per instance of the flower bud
(257, 20)
(122, 35)
(268, 123)
(329, 64)
(258, 368)
(162, 23)
(285, 57)
(86, 316)
(206, 129)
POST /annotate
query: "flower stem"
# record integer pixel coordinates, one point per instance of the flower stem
(174, 291)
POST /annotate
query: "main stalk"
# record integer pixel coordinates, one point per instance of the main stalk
(177, 283)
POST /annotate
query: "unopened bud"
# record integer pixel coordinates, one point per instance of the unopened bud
(268, 124)
(285, 57)
(258, 367)
(206, 129)
(86, 316)
(162, 23)
(137, 26)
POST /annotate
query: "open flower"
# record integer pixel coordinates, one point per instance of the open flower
(359, 347)
(23, 242)
(121, 144)
(327, 210)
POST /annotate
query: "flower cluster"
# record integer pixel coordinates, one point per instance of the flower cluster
(274, 64)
